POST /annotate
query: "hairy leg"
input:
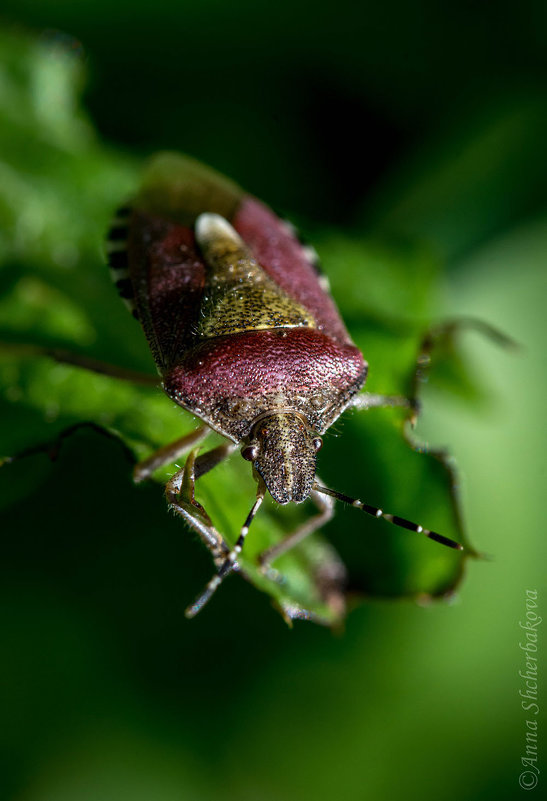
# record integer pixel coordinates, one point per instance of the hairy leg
(180, 495)
(168, 453)
(326, 511)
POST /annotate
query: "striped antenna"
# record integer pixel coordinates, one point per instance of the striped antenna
(397, 521)
(229, 564)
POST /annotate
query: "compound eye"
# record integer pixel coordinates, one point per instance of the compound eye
(317, 443)
(250, 453)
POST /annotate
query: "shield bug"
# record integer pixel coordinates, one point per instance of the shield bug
(245, 336)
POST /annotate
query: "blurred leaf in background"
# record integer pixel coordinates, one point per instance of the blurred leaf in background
(413, 143)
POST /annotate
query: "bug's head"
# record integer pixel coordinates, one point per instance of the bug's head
(283, 448)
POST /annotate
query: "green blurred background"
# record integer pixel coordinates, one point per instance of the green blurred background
(421, 125)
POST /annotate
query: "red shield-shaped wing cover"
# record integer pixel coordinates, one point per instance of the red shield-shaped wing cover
(310, 365)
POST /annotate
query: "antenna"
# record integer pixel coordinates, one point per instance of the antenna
(374, 511)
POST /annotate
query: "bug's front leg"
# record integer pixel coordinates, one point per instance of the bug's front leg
(180, 495)
(326, 511)
(328, 569)
(168, 454)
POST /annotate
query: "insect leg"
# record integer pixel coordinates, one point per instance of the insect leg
(442, 335)
(78, 360)
(369, 400)
(437, 336)
(168, 453)
(180, 495)
(229, 562)
(328, 569)
(325, 505)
